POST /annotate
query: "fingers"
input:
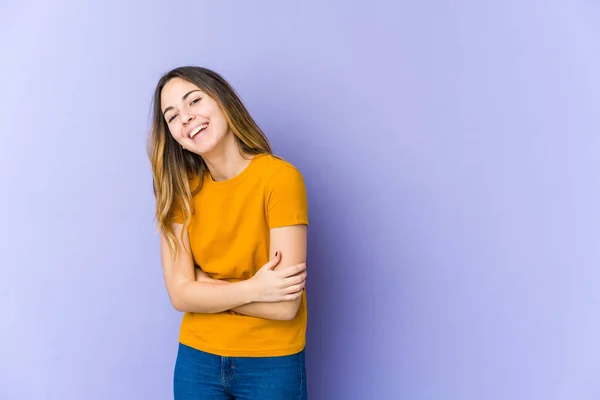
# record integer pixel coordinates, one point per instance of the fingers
(273, 262)
(295, 288)
(293, 296)
(294, 280)
(292, 270)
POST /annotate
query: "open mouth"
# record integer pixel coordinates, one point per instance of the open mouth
(198, 129)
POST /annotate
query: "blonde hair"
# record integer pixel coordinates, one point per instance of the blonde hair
(174, 170)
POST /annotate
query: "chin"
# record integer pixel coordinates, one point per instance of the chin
(210, 143)
(204, 149)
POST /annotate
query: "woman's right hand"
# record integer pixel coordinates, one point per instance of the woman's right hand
(285, 284)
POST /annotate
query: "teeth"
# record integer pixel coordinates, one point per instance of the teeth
(198, 129)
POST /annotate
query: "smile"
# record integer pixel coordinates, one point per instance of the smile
(197, 130)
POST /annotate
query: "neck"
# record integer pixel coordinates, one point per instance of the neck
(227, 161)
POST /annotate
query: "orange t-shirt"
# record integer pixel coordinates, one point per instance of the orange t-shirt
(229, 236)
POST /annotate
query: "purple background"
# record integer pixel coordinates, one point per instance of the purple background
(451, 155)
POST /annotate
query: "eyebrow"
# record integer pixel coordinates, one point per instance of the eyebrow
(185, 96)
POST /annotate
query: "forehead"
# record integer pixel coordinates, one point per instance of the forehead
(174, 90)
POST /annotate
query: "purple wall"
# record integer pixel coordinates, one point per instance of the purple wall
(451, 155)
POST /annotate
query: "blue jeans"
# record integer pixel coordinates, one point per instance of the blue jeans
(199, 376)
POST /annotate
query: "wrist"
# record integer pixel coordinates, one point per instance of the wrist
(249, 291)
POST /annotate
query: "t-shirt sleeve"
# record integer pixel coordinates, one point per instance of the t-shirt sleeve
(286, 199)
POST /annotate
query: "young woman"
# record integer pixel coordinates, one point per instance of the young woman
(233, 220)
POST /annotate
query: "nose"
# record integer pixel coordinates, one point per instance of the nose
(186, 118)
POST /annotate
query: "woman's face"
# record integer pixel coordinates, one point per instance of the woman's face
(194, 119)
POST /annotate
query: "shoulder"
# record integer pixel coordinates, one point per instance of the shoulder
(274, 168)
(285, 193)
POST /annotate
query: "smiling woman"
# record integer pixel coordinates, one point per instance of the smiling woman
(233, 219)
(192, 114)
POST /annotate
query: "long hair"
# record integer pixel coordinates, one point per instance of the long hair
(177, 173)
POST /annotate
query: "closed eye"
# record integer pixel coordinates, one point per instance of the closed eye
(195, 101)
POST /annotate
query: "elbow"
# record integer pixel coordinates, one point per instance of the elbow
(177, 300)
(176, 303)
(288, 311)
(288, 316)
(178, 307)
(184, 306)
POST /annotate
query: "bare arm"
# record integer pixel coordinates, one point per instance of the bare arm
(189, 295)
(201, 296)
(291, 243)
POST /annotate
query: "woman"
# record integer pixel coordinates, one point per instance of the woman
(233, 220)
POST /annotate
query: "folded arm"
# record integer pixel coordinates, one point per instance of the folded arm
(189, 295)
(271, 290)
(291, 242)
